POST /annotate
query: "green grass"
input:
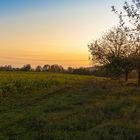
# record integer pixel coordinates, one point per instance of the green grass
(47, 106)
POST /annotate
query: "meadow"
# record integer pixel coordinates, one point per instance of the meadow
(48, 106)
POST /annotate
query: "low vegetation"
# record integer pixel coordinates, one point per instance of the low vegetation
(40, 106)
(18, 82)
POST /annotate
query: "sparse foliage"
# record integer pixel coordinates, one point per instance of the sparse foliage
(112, 50)
(130, 21)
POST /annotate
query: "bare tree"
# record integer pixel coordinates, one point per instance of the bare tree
(112, 49)
(130, 21)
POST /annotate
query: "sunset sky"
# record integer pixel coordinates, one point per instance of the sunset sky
(52, 31)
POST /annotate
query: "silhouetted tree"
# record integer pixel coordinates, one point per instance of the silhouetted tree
(131, 15)
(26, 67)
(38, 68)
(70, 70)
(6, 68)
(112, 50)
(56, 68)
(46, 67)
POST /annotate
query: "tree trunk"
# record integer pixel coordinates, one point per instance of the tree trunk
(139, 77)
(126, 75)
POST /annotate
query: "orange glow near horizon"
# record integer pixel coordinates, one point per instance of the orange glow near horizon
(53, 35)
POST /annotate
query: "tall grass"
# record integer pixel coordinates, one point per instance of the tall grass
(36, 107)
(24, 82)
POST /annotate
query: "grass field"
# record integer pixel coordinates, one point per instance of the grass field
(47, 106)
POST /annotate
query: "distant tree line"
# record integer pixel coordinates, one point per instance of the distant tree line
(28, 67)
(51, 68)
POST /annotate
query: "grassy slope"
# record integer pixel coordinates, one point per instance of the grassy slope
(90, 109)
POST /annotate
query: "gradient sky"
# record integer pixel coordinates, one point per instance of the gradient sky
(52, 31)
